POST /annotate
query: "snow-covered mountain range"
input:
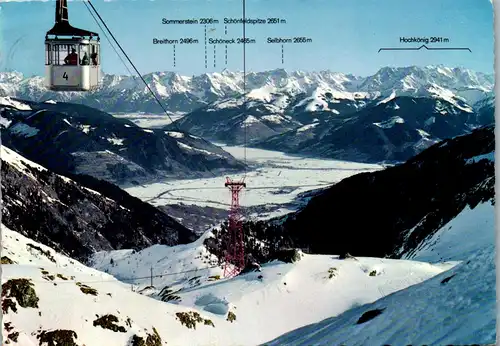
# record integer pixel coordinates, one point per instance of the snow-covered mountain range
(390, 116)
(281, 89)
(301, 112)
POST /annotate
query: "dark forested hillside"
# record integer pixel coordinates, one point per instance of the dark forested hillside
(372, 214)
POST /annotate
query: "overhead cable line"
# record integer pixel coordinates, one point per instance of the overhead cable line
(107, 37)
(130, 61)
(143, 80)
(245, 100)
(130, 279)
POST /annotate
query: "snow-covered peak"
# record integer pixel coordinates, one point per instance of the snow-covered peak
(414, 77)
(447, 95)
(262, 94)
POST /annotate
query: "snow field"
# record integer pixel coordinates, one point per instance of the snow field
(460, 311)
(65, 306)
(287, 296)
(456, 307)
(62, 305)
(292, 295)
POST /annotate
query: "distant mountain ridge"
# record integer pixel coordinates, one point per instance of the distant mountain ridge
(73, 138)
(350, 118)
(392, 130)
(187, 93)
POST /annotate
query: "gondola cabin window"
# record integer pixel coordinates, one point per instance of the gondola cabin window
(61, 54)
(48, 54)
(94, 55)
(84, 54)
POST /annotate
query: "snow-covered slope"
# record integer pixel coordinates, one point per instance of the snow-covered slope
(461, 238)
(457, 307)
(285, 296)
(66, 295)
(268, 301)
(22, 250)
(192, 259)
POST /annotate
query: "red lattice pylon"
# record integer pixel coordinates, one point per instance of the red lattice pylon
(234, 242)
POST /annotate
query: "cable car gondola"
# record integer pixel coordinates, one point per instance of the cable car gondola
(72, 55)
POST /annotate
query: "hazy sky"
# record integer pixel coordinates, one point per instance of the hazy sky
(346, 35)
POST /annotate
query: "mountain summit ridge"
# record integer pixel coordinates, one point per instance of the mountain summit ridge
(122, 93)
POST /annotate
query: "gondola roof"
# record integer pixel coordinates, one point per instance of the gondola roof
(66, 29)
